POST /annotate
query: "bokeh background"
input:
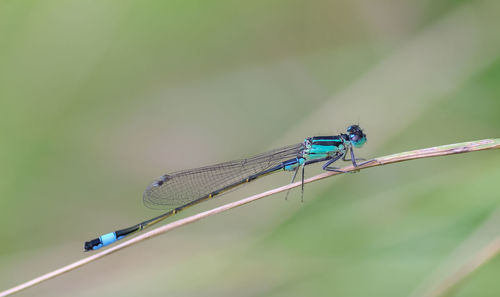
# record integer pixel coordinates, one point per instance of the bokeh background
(97, 98)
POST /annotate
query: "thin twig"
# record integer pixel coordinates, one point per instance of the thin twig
(450, 149)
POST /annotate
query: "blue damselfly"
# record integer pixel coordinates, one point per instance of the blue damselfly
(179, 190)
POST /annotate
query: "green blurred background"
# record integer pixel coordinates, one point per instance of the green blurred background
(97, 98)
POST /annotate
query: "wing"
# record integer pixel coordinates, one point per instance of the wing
(179, 188)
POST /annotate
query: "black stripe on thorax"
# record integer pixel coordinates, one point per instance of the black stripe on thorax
(326, 138)
(327, 143)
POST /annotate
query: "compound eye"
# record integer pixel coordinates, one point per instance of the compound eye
(354, 137)
(353, 129)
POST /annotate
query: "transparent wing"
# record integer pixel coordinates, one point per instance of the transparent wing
(179, 188)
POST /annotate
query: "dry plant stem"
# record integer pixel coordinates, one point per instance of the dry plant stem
(458, 148)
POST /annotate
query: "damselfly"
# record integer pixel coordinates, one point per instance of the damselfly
(179, 190)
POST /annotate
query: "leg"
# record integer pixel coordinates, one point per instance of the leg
(302, 196)
(367, 162)
(293, 178)
(353, 158)
(361, 159)
(345, 155)
(357, 159)
(297, 170)
(327, 167)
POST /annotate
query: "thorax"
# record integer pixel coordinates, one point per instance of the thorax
(318, 147)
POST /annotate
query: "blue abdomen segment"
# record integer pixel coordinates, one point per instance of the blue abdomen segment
(108, 238)
(292, 164)
(105, 240)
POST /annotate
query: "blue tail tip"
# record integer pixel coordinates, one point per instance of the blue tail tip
(108, 238)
